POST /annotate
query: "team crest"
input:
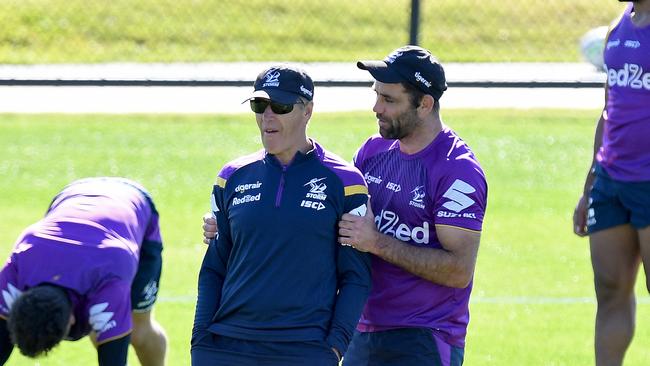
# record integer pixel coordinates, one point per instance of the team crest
(272, 78)
(418, 197)
(391, 58)
(316, 194)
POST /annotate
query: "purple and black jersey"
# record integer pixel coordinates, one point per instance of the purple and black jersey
(625, 152)
(88, 243)
(410, 194)
(276, 271)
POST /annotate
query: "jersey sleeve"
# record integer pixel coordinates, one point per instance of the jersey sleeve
(353, 274)
(152, 234)
(463, 197)
(214, 266)
(109, 310)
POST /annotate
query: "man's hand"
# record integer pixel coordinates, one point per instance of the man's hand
(359, 231)
(580, 217)
(209, 227)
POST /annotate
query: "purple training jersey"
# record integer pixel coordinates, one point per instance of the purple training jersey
(88, 243)
(625, 152)
(441, 185)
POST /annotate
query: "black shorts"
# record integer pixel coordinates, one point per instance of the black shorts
(144, 289)
(613, 202)
(401, 347)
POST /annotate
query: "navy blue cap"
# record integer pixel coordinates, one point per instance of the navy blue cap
(412, 64)
(283, 84)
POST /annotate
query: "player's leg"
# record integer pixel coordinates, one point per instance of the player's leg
(615, 257)
(615, 261)
(148, 337)
(637, 199)
(644, 241)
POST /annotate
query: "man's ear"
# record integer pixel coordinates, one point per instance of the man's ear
(309, 107)
(426, 104)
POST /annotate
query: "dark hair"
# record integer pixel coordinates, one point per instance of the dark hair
(416, 95)
(38, 319)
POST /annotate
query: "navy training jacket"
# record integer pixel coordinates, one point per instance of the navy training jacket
(276, 272)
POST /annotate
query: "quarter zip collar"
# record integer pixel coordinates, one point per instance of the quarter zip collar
(316, 152)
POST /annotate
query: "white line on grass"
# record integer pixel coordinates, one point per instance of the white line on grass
(506, 300)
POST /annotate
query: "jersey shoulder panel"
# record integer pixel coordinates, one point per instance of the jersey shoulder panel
(231, 167)
(374, 145)
(351, 178)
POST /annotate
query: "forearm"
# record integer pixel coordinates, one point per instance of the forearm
(598, 141)
(432, 264)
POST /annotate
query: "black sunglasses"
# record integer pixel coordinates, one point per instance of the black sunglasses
(259, 105)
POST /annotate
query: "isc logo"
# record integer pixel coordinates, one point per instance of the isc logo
(311, 204)
(393, 187)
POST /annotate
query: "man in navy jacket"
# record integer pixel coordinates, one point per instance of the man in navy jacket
(274, 285)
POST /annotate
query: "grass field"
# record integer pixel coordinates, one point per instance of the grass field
(45, 31)
(532, 302)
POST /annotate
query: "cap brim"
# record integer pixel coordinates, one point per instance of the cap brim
(274, 95)
(380, 71)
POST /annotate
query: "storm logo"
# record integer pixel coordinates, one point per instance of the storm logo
(418, 197)
(272, 78)
(316, 186)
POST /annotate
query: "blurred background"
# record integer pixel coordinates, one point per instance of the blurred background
(82, 31)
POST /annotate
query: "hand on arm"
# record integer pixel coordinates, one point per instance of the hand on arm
(452, 265)
(209, 227)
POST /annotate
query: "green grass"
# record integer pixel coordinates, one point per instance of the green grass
(532, 302)
(79, 31)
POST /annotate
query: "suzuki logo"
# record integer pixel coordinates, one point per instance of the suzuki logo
(9, 296)
(101, 320)
(457, 193)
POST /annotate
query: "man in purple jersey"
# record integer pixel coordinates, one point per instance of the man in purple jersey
(614, 209)
(91, 266)
(428, 196)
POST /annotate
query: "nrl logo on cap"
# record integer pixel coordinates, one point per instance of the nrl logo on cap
(272, 78)
(424, 81)
(391, 58)
(306, 91)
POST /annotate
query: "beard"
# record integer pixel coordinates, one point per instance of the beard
(399, 127)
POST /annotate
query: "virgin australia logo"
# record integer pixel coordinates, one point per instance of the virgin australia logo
(421, 79)
(272, 78)
(418, 197)
(306, 91)
(614, 43)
